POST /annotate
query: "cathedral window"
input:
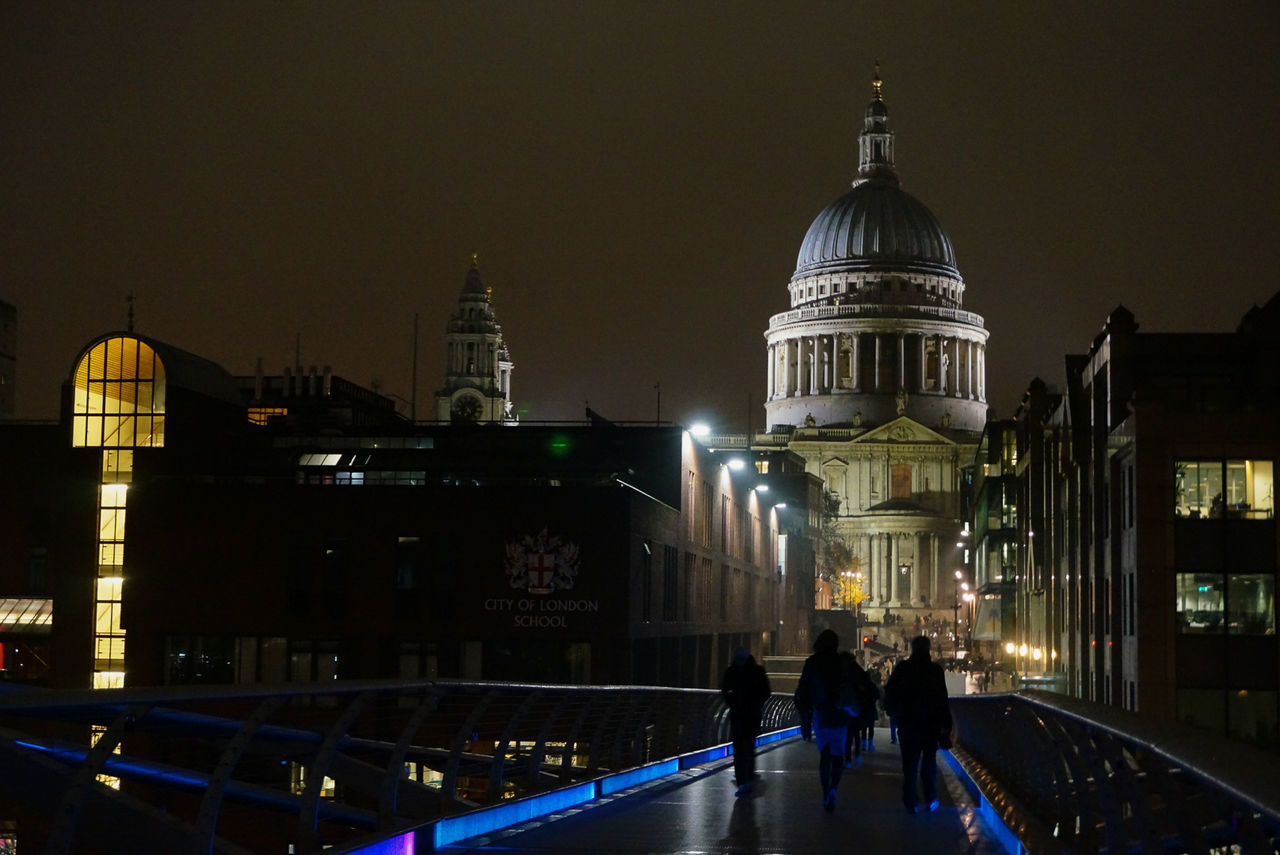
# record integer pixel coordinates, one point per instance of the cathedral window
(900, 485)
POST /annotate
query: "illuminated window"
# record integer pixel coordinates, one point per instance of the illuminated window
(118, 404)
(1241, 489)
(298, 782)
(261, 415)
(1236, 603)
(1199, 604)
(118, 396)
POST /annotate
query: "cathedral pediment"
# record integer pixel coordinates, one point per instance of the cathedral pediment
(904, 430)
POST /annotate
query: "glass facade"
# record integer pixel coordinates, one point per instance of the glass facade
(117, 406)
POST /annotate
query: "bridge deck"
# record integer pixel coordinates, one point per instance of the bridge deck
(695, 811)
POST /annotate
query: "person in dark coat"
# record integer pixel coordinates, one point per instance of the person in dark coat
(867, 694)
(825, 681)
(745, 688)
(916, 698)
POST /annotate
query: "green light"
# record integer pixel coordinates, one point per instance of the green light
(560, 445)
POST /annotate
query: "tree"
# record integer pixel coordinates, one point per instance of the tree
(837, 565)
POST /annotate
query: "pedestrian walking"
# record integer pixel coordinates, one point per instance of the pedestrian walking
(826, 700)
(867, 694)
(745, 688)
(916, 699)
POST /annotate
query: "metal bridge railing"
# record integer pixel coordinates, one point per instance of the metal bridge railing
(241, 769)
(1068, 776)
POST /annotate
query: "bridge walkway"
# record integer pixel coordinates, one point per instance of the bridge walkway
(695, 811)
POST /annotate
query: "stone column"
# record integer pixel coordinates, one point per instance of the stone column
(873, 568)
(956, 365)
(772, 380)
(916, 569)
(895, 586)
(854, 380)
(882, 553)
(937, 571)
(814, 359)
(902, 361)
(969, 367)
(828, 364)
(924, 373)
(876, 386)
(982, 372)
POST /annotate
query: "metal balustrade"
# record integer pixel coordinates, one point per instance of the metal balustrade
(239, 769)
(1068, 776)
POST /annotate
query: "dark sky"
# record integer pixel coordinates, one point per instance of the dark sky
(635, 176)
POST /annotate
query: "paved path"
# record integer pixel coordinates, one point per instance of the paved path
(695, 813)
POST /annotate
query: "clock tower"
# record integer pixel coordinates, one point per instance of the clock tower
(477, 376)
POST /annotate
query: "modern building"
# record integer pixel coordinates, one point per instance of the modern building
(181, 525)
(993, 560)
(876, 378)
(1147, 535)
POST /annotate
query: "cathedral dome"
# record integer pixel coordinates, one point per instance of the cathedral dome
(876, 226)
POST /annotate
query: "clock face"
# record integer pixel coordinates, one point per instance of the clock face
(466, 409)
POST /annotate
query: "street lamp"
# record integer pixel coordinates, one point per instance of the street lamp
(955, 611)
(969, 599)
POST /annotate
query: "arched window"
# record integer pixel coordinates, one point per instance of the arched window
(118, 405)
(119, 396)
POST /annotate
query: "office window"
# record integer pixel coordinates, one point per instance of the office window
(1251, 604)
(1200, 601)
(1241, 489)
(1236, 603)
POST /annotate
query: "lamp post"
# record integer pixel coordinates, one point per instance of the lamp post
(968, 598)
(955, 611)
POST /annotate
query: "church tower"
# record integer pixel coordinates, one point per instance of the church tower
(477, 374)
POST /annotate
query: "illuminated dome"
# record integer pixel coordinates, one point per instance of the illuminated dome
(876, 226)
(877, 328)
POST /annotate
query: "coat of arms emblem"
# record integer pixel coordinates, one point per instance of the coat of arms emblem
(542, 563)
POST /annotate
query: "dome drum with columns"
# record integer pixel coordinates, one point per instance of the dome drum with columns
(876, 327)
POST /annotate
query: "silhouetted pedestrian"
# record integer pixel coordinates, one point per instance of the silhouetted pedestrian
(916, 699)
(854, 740)
(745, 688)
(825, 696)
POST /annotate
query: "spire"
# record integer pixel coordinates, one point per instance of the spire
(474, 285)
(875, 143)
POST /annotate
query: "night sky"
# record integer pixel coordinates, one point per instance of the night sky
(636, 178)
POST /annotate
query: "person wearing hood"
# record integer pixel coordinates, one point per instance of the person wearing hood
(745, 688)
(916, 698)
(826, 699)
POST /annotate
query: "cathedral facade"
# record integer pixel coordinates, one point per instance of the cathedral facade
(876, 376)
